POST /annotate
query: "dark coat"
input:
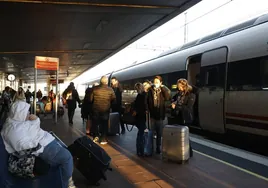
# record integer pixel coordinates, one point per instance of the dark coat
(185, 109)
(140, 107)
(158, 113)
(75, 98)
(101, 97)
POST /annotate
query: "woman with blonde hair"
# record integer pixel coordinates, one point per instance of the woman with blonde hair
(20, 95)
(182, 104)
(183, 101)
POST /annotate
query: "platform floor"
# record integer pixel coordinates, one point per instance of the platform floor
(203, 170)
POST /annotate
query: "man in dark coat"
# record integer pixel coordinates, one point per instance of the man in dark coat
(101, 98)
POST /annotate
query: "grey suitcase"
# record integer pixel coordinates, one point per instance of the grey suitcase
(175, 143)
(114, 124)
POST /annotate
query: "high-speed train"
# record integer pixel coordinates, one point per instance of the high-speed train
(232, 65)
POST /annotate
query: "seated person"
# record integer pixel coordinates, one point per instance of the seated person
(21, 131)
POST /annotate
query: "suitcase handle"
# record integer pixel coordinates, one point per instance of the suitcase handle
(148, 119)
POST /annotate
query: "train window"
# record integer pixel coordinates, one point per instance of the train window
(264, 72)
(244, 75)
(212, 77)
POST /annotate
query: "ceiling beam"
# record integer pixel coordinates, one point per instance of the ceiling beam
(91, 4)
(56, 51)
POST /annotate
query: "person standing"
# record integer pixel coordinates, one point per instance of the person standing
(117, 106)
(140, 108)
(101, 98)
(156, 97)
(71, 96)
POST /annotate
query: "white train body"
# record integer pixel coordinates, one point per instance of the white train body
(233, 69)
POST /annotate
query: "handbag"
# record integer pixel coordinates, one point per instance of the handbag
(22, 163)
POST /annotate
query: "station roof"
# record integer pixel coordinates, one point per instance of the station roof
(80, 33)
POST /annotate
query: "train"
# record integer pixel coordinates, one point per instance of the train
(232, 66)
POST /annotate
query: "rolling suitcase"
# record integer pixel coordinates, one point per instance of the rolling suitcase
(176, 146)
(113, 124)
(148, 138)
(90, 159)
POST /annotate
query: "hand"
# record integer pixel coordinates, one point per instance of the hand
(32, 117)
(173, 105)
(134, 113)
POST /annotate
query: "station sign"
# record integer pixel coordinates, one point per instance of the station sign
(53, 81)
(46, 63)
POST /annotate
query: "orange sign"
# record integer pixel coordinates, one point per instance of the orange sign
(53, 82)
(46, 63)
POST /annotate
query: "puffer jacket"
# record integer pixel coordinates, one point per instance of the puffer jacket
(101, 98)
(20, 134)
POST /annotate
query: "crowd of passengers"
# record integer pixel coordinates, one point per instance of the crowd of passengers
(151, 99)
(21, 130)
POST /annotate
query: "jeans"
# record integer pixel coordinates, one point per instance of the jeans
(140, 137)
(56, 155)
(119, 110)
(157, 126)
(100, 125)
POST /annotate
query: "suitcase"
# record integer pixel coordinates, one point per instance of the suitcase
(90, 159)
(60, 111)
(60, 142)
(175, 143)
(148, 138)
(113, 124)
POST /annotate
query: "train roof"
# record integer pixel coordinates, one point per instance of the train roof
(222, 33)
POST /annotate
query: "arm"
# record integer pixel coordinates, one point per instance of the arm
(91, 96)
(113, 98)
(166, 92)
(190, 103)
(77, 97)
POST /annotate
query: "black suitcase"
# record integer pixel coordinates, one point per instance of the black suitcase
(90, 159)
(114, 124)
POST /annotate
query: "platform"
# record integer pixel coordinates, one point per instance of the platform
(208, 168)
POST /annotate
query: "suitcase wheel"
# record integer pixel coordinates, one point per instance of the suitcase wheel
(97, 184)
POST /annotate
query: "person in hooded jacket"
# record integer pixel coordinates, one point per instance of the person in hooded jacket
(71, 96)
(21, 131)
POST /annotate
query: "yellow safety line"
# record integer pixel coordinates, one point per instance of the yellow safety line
(231, 165)
(221, 161)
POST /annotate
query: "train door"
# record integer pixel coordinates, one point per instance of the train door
(193, 73)
(212, 93)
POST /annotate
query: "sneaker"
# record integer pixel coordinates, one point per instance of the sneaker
(71, 183)
(96, 139)
(103, 142)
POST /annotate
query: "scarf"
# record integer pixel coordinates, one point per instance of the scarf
(157, 92)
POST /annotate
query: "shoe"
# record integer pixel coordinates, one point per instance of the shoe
(71, 183)
(104, 142)
(96, 139)
(123, 131)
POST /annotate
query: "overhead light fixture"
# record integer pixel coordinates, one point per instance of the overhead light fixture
(79, 56)
(87, 45)
(101, 25)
